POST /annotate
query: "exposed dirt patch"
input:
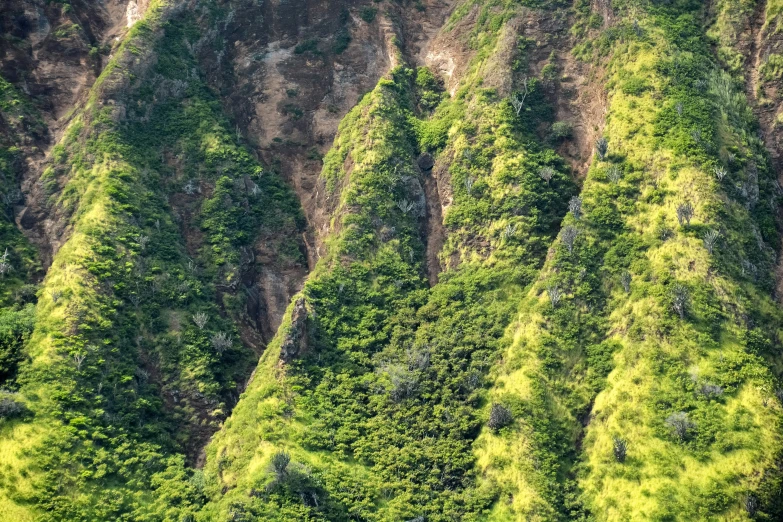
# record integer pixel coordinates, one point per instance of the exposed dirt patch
(763, 93)
(54, 54)
(435, 231)
(580, 100)
(449, 52)
(757, 43)
(604, 9)
(577, 92)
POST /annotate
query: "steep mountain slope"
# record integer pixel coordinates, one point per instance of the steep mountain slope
(136, 352)
(529, 276)
(377, 378)
(645, 344)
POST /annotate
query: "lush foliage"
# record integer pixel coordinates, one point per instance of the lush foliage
(611, 354)
(379, 414)
(165, 208)
(638, 331)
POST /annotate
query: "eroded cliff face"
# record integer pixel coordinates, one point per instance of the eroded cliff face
(102, 84)
(290, 71)
(287, 73)
(54, 51)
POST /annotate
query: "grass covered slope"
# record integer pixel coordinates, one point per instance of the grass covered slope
(649, 342)
(315, 398)
(136, 356)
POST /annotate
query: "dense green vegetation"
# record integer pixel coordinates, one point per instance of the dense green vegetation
(376, 419)
(603, 352)
(18, 260)
(645, 343)
(135, 355)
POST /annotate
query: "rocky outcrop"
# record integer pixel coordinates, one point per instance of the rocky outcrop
(295, 342)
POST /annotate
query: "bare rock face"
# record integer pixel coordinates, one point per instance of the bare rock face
(295, 342)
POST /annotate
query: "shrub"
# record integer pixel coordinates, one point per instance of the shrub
(310, 45)
(554, 293)
(561, 130)
(499, 417)
(680, 424)
(341, 41)
(200, 319)
(614, 174)
(751, 504)
(710, 239)
(221, 342)
(367, 13)
(620, 449)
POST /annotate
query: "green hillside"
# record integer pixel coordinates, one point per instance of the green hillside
(532, 275)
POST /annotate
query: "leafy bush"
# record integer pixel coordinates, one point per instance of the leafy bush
(561, 130)
(499, 417)
(10, 406)
(367, 13)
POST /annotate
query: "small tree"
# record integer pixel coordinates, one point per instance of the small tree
(568, 236)
(575, 207)
(509, 231)
(620, 449)
(5, 265)
(546, 173)
(405, 206)
(680, 300)
(499, 417)
(191, 187)
(200, 318)
(751, 505)
(711, 391)
(554, 293)
(55, 295)
(614, 174)
(679, 108)
(720, 172)
(710, 239)
(79, 358)
(9, 406)
(625, 280)
(469, 181)
(518, 99)
(221, 342)
(280, 461)
(601, 148)
(680, 424)
(684, 213)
